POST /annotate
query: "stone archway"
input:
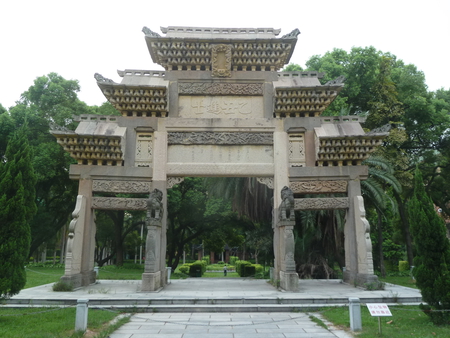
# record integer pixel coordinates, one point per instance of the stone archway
(220, 108)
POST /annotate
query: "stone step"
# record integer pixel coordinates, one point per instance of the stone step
(208, 304)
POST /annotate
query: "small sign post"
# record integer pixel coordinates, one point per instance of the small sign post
(379, 310)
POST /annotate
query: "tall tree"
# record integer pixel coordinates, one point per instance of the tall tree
(17, 207)
(51, 99)
(433, 254)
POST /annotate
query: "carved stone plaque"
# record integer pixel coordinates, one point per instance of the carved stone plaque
(221, 106)
(221, 60)
(122, 187)
(194, 88)
(188, 138)
(318, 187)
(117, 203)
(321, 203)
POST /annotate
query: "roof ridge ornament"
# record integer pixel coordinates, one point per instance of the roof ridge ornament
(149, 32)
(337, 81)
(101, 78)
(292, 35)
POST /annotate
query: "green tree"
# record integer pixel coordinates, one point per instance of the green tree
(433, 253)
(293, 67)
(50, 100)
(17, 207)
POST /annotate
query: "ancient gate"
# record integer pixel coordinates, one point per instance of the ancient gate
(220, 108)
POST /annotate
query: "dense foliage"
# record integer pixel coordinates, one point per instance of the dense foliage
(17, 207)
(432, 254)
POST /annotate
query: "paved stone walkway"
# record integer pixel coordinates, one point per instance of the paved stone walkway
(225, 325)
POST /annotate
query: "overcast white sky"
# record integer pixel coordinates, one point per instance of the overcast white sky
(79, 38)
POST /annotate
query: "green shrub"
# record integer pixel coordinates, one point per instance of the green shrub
(241, 268)
(197, 269)
(249, 270)
(185, 268)
(206, 260)
(403, 266)
(258, 268)
(233, 260)
(62, 287)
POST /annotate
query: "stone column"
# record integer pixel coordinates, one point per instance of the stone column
(79, 269)
(358, 247)
(151, 278)
(283, 240)
(288, 276)
(149, 282)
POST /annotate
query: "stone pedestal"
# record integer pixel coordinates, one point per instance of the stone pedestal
(289, 281)
(151, 281)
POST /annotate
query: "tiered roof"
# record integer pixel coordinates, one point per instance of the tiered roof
(191, 48)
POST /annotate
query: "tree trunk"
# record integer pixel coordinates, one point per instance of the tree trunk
(380, 244)
(405, 228)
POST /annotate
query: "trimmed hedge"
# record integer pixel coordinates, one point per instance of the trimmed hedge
(403, 266)
(185, 268)
(197, 269)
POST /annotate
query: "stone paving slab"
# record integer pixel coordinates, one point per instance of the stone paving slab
(225, 325)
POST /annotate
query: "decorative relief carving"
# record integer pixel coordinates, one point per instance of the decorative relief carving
(321, 203)
(268, 181)
(289, 244)
(296, 150)
(221, 60)
(220, 88)
(151, 245)
(188, 138)
(144, 149)
(132, 187)
(318, 187)
(117, 203)
(171, 181)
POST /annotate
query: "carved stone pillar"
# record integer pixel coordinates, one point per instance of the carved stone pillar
(151, 278)
(358, 247)
(79, 269)
(288, 276)
(283, 239)
(151, 281)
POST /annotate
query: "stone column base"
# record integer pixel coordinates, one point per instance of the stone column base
(80, 279)
(88, 278)
(289, 281)
(361, 280)
(151, 281)
(74, 280)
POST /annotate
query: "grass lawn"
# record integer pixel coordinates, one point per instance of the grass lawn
(53, 323)
(406, 321)
(42, 275)
(404, 281)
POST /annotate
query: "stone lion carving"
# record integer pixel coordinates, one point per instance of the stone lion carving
(155, 205)
(287, 204)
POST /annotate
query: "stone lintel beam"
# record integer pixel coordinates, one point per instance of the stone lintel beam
(321, 203)
(118, 203)
(318, 187)
(329, 173)
(118, 173)
(125, 187)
